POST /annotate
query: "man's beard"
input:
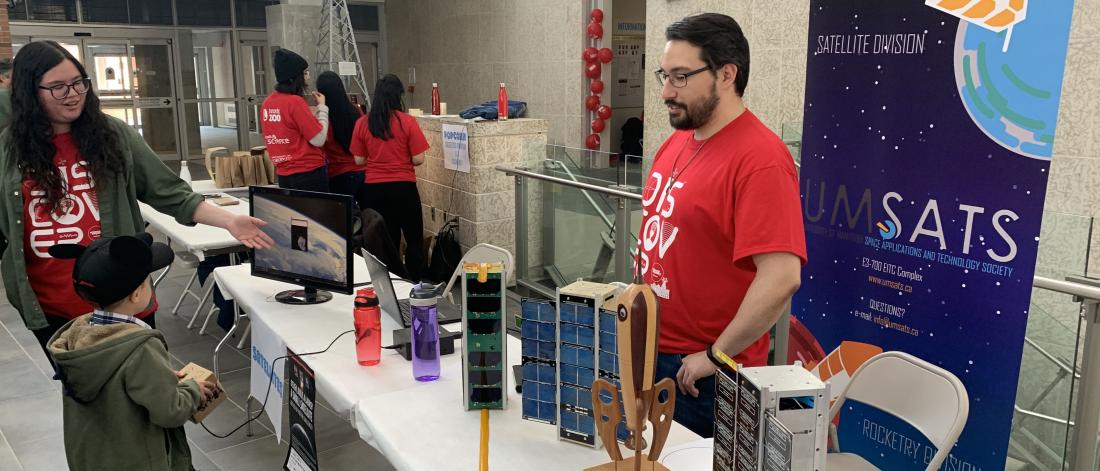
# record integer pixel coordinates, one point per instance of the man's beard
(694, 116)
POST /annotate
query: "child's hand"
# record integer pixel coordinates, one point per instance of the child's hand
(180, 375)
(208, 390)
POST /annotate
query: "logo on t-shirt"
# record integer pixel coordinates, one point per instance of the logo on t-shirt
(272, 115)
(658, 204)
(70, 222)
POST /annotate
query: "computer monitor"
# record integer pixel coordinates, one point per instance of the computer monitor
(312, 234)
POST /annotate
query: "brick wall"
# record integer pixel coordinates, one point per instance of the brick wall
(5, 35)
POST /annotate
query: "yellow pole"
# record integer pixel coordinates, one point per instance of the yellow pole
(484, 463)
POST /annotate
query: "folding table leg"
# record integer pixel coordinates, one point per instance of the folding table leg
(244, 336)
(205, 296)
(186, 291)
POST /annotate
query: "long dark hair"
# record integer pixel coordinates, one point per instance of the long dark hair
(342, 115)
(387, 99)
(31, 138)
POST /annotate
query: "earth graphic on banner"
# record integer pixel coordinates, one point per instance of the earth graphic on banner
(1003, 82)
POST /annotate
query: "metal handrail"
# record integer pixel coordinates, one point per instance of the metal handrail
(570, 183)
(591, 201)
(1066, 287)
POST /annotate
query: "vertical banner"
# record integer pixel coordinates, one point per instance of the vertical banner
(926, 148)
(266, 347)
(456, 147)
(302, 453)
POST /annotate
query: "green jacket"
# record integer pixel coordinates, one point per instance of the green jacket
(5, 106)
(124, 408)
(144, 178)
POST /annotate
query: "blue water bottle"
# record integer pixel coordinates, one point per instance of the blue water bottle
(425, 332)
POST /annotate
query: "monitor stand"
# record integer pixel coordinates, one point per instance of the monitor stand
(303, 296)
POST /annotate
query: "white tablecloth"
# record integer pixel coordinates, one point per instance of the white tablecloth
(340, 378)
(426, 427)
(201, 240)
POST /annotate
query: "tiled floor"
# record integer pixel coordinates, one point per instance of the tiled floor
(30, 403)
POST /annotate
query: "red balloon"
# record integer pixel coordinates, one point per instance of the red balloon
(592, 70)
(592, 102)
(598, 125)
(592, 141)
(604, 112)
(590, 55)
(605, 55)
(595, 30)
(597, 15)
(597, 86)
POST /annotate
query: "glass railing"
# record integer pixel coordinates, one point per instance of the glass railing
(1051, 363)
(575, 211)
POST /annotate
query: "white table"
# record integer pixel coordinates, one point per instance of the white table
(428, 428)
(392, 411)
(208, 186)
(340, 379)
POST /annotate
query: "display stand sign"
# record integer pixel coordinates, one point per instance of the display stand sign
(456, 147)
(725, 416)
(750, 412)
(302, 453)
(778, 445)
(927, 142)
(266, 347)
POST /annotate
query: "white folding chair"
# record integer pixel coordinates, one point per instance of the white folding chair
(927, 397)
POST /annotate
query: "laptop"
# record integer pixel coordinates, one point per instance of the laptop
(449, 313)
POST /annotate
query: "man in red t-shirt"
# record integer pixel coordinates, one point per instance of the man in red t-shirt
(721, 241)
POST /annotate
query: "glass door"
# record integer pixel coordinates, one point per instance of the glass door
(153, 87)
(110, 67)
(259, 79)
(210, 108)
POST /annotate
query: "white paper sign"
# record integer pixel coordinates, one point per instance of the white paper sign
(266, 347)
(346, 68)
(456, 147)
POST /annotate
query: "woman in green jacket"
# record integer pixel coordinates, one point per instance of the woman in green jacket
(71, 174)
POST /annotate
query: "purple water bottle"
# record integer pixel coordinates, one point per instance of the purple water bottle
(425, 332)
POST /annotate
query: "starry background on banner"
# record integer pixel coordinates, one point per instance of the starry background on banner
(895, 123)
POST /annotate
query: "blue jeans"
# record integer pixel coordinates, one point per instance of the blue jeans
(695, 413)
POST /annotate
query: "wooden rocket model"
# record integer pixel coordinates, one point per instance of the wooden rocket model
(642, 401)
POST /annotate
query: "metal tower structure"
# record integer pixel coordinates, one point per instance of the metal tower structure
(336, 43)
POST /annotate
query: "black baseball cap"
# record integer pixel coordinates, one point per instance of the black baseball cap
(111, 268)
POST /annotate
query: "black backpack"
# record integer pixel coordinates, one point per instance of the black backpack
(446, 253)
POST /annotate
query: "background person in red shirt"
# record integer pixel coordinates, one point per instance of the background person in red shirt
(293, 135)
(71, 175)
(722, 241)
(391, 143)
(344, 175)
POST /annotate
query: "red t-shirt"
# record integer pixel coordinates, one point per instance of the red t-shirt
(737, 198)
(288, 125)
(340, 161)
(390, 160)
(51, 278)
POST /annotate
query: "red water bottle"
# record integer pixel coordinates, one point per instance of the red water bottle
(502, 103)
(368, 327)
(435, 99)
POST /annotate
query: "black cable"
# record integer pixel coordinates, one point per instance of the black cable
(270, 380)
